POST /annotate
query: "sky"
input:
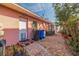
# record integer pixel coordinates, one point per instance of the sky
(45, 10)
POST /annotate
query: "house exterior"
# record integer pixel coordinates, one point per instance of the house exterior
(17, 23)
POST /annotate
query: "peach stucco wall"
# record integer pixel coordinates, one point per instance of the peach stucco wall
(10, 21)
(40, 25)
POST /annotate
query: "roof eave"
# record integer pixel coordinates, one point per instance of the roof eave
(23, 10)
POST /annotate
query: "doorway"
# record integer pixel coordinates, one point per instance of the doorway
(22, 30)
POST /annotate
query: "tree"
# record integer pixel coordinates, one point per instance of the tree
(67, 16)
(65, 12)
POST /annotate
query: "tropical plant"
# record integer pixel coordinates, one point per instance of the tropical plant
(67, 16)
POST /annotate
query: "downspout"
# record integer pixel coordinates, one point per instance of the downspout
(27, 27)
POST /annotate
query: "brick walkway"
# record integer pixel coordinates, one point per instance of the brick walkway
(56, 45)
(36, 49)
(51, 46)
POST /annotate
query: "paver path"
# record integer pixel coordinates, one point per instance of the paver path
(56, 45)
(51, 46)
(35, 49)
